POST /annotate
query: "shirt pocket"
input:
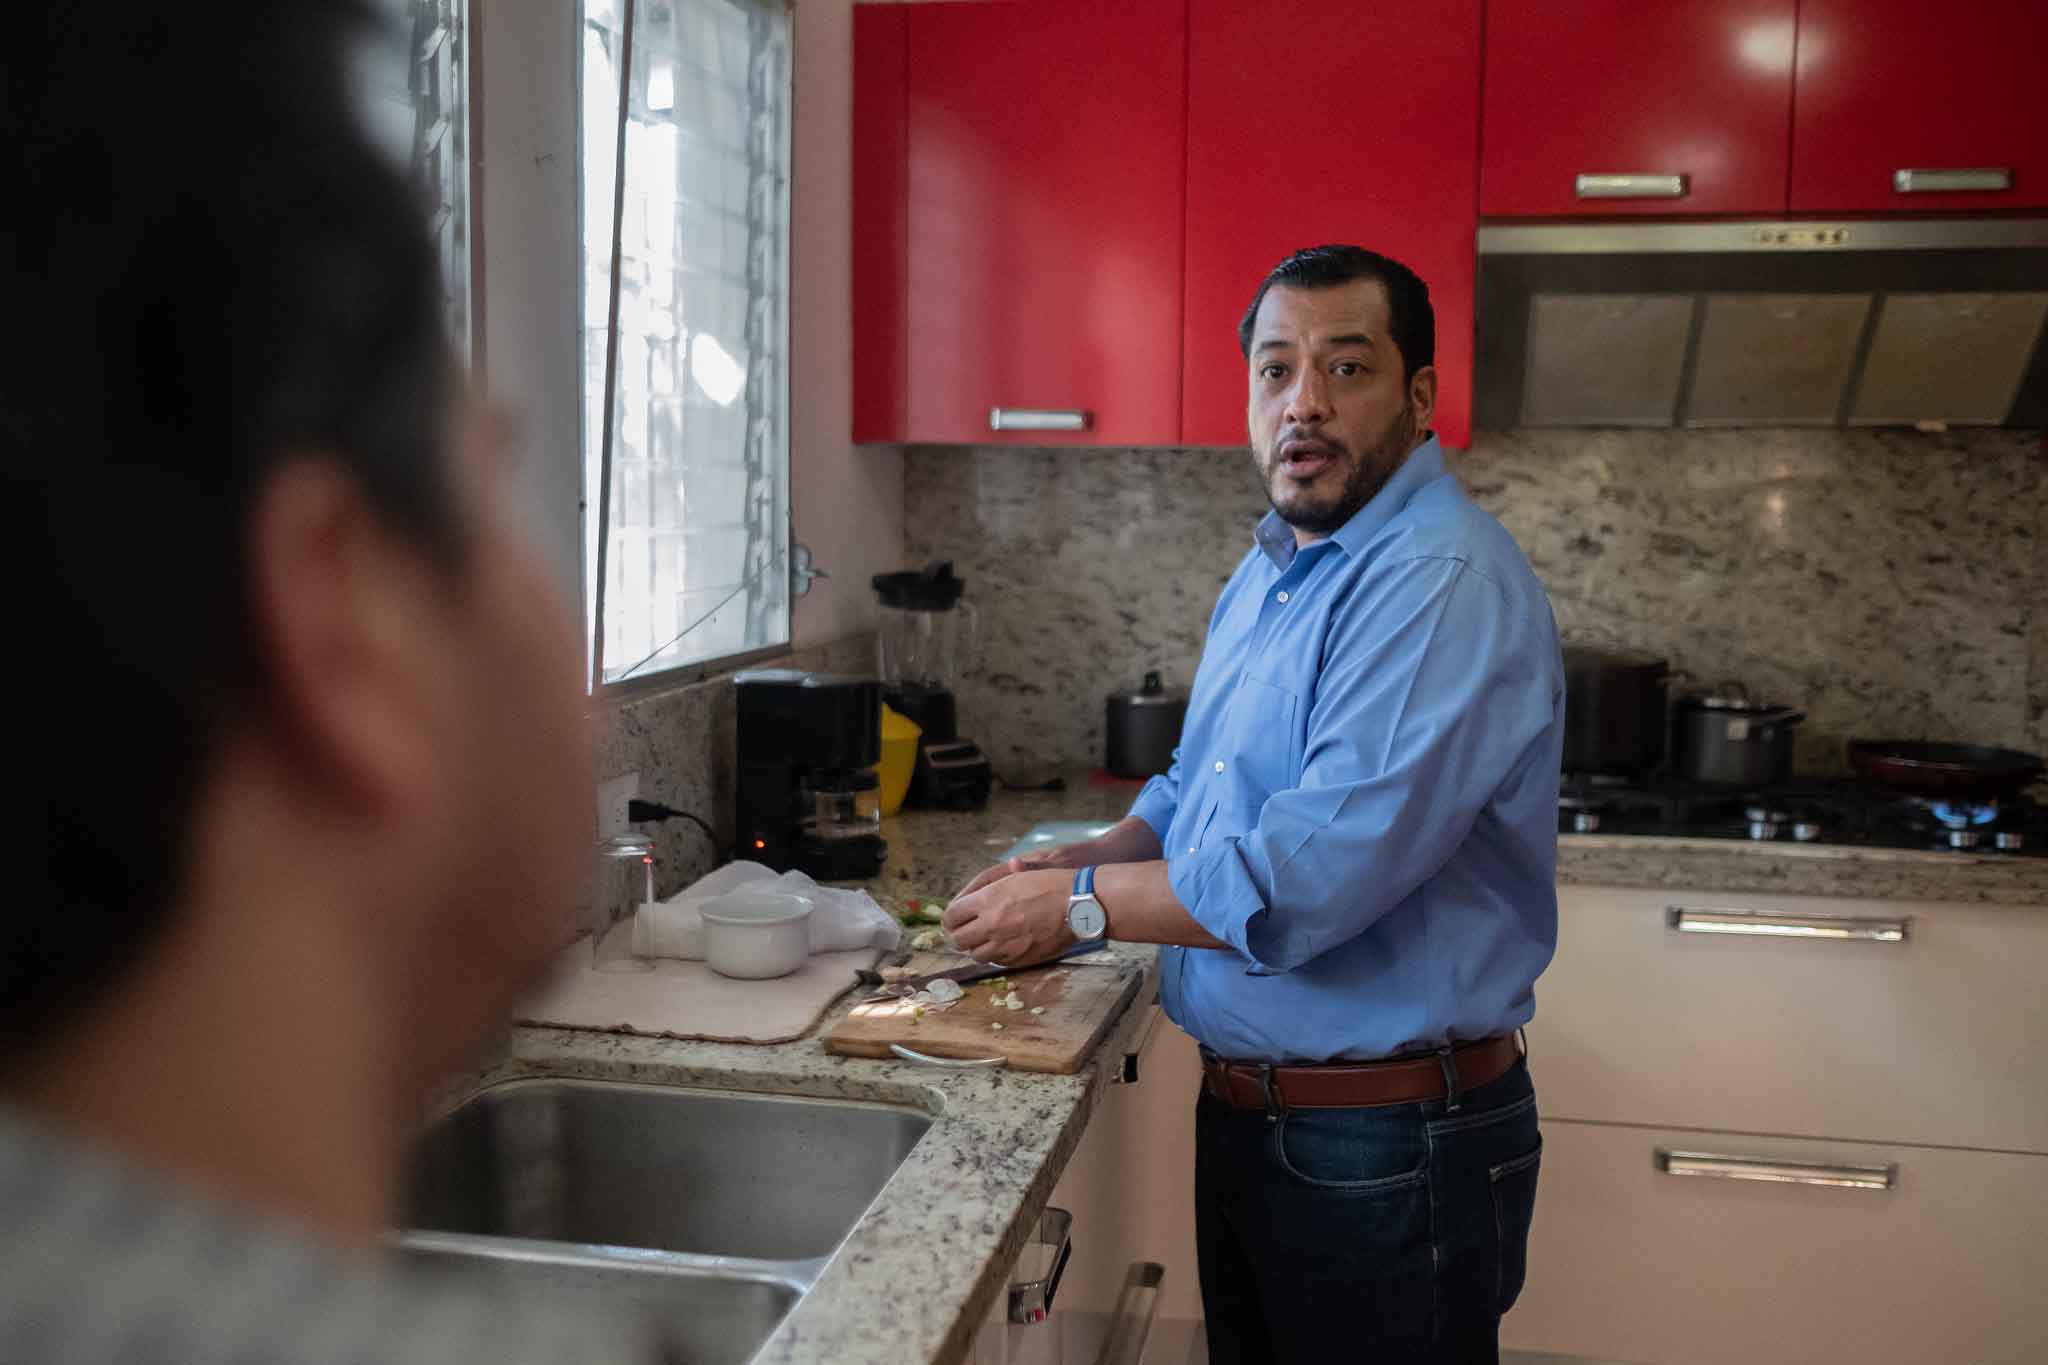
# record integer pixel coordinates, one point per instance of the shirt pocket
(1262, 748)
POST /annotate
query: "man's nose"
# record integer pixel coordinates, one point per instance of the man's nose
(1310, 400)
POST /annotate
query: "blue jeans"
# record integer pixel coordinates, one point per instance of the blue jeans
(1393, 1234)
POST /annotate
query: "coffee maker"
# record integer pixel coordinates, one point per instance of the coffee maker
(923, 641)
(808, 797)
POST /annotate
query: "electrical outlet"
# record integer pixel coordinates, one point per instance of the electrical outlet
(612, 796)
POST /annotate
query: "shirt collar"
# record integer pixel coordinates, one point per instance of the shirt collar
(1425, 464)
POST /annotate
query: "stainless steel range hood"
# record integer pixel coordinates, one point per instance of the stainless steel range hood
(1763, 324)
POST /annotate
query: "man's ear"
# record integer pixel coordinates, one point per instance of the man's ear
(1422, 396)
(346, 638)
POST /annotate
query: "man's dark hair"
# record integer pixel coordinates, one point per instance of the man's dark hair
(209, 267)
(1409, 316)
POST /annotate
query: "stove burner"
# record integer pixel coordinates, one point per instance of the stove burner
(1814, 811)
(1964, 814)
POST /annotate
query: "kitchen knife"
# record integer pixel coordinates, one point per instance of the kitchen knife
(976, 971)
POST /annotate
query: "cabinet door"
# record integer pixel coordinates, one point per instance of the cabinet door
(881, 145)
(1628, 1261)
(1047, 143)
(1691, 98)
(1368, 134)
(1886, 86)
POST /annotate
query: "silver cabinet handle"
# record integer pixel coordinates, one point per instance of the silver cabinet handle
(1715, 1167)
(1764, 924)
(956, 1063)
(1039, 419)
(1632, 186)
(1952, 179)
(1136, 1307)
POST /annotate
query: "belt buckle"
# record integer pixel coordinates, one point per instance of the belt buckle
(1274, 1107)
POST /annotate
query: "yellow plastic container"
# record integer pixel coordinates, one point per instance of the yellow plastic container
(899, 757)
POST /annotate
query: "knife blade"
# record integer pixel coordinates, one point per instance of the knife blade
(977, 971)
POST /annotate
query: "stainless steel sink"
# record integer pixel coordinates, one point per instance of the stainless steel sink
(705, 1314)
(712, 1212)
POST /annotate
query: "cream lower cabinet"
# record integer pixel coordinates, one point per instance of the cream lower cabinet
(1632, 1262)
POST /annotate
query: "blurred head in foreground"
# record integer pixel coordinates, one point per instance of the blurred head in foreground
(291, 815)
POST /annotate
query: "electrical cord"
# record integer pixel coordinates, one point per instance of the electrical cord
(641, 812)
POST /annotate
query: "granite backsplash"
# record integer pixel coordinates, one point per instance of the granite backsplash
(1890, 582)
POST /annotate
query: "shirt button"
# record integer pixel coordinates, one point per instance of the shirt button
(1191, 848)
(1219, 765)
(1280, 596)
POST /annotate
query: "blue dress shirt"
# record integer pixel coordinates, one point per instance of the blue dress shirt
(1364, 801)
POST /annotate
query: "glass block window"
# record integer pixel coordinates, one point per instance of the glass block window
(687, 558)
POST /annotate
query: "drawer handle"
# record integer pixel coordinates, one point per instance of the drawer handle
(1039, 419)
(1714, 1167)
(1631, 186)
(1952, 179)
(1764, 924)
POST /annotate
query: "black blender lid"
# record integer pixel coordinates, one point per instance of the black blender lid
(932, 588)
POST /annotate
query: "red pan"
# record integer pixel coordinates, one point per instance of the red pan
(1967, 772)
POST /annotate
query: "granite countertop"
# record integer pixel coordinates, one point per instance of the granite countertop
(919, 1273)
(954, 1218)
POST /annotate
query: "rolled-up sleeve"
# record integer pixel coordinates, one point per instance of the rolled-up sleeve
(1159, 801)
(1434, 684)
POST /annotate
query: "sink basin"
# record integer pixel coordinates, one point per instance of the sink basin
(761, 1176)
(709, 1212)
(703, 1314)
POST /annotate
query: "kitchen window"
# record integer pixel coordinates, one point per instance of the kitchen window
(685, 384)
(415, 94)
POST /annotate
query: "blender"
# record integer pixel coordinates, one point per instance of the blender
(924, 641)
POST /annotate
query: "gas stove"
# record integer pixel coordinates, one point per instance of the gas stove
(1817, 811)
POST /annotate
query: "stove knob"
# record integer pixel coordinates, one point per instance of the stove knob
(2010, 841)
(1962, 838)
(1585, 821)
(1806, 831)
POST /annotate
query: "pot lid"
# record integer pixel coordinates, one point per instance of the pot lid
(932, 588)
(1153, 693)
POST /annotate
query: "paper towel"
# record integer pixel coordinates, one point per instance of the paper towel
(840, 919)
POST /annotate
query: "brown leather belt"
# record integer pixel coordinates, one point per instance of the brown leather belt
(1358, 1085)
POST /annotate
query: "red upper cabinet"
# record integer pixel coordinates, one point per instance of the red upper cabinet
(1614, 107)
(1045, 182)
(1891, 86)
(1367, 133)
(881, 153)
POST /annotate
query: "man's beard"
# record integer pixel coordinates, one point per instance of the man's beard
(1366, 474)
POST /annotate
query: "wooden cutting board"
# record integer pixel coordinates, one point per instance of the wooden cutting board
(1079, 1002)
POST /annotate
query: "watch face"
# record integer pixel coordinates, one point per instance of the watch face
(1086, 919)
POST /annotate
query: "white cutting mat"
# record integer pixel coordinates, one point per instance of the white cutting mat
(679, 999)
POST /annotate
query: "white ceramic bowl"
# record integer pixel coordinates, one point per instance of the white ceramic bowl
(756, 935)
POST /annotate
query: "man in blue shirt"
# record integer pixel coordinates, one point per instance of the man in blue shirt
(1352, 860)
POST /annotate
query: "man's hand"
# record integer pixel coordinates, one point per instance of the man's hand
(1011, 867)
(1015, 918)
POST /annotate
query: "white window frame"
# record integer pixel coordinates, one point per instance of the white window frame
(526, 305)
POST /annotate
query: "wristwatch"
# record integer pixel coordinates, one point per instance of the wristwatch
(1085, 915)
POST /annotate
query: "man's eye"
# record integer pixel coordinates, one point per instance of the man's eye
(1272, 371)
(1348, 368)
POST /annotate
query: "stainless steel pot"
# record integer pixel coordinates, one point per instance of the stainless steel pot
(1734, 741)
(1142, 729)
